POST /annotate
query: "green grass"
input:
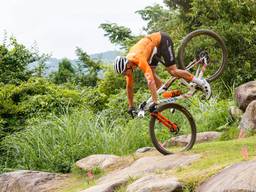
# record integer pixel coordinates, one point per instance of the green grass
(209, 115)
(215, 156)
(75, 183)
(56, 143)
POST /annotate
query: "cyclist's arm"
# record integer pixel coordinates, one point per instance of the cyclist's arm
(129, 89)
(144, 66)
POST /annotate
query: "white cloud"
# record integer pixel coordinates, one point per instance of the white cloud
(58, 26)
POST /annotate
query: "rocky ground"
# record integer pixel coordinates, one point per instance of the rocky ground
(149, 171)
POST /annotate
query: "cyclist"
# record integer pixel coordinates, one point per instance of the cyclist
(145, 54)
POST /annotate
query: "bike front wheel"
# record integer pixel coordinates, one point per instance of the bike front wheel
(167, 141)
(198, 43)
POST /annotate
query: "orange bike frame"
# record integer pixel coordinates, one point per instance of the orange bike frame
(166, 122)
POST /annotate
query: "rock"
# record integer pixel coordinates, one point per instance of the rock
(235, 113)
(157, 183)
(182, 140)
(107, 187)
(144, 149)
(248, 121)
(239, 177)
(102, 161)
(245, 94)
(141, 167)
(29, 181)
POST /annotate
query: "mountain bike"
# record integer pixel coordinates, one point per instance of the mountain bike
(172, 127)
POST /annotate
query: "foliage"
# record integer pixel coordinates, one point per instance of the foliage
(58, 132)
(111, 83)
(39, 70)
(231, 132)
(87, 69)
(14, 59)
(37, 97)
(119, 35)
(235, 21)
(185, 5)
(65, 73)
(56, 143)
(154, 14)
(215, 111)
(93, 99)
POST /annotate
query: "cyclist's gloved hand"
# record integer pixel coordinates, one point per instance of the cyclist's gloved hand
(131, 111)
(153, 108)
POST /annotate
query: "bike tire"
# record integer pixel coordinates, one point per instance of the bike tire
(208, 33)
(186, 114)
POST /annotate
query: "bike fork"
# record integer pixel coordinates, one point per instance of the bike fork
(166, 122)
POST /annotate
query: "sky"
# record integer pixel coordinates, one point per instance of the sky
(59, 26)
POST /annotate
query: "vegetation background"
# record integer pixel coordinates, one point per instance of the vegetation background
(49, 122)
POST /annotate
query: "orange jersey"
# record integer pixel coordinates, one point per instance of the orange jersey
(140, 54)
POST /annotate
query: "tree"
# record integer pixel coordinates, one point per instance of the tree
(118, 35)
(65, 73)
(233, 20)
(14, 60)
(185, 5)
(88, 69)
(39, 70)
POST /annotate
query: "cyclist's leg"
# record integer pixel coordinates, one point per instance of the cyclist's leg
(167, 51)
(157, 79)
(153, 64)
(174, 71)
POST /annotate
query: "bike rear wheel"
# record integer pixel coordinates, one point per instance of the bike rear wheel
(166, 141)
(199, 41)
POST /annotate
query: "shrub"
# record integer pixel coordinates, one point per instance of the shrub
(36, 97)
(209, 115)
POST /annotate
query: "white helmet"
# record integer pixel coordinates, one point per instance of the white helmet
(120, 64)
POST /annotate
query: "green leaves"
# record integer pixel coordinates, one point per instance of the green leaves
(14, 59)
(65, 73)
(37, 97)
(118, 35)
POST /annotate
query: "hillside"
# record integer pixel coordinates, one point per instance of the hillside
(52, 64)
(106, 57)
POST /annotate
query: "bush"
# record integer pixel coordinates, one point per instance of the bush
(36, 97)
(209, 115)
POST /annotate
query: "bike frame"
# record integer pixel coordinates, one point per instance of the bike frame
(200, 64)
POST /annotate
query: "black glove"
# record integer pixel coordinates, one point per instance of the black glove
(153, 108)
(131, 111)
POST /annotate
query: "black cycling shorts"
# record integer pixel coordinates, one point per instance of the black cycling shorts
(164, 50)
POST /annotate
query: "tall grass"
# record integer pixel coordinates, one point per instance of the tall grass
(211, 115)
(56, 143)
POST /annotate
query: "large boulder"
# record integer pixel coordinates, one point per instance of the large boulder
(239, 177)
(245, 94)
(248, 121)
(157, 183)
(140, 168)
(101, 161)
(201, 137)
(30, 181)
